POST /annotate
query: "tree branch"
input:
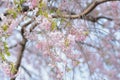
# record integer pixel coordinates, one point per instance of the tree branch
(88, 17)
(23, 43)
(26, 71)
(89, 9)
(89, 45)
(20, 55)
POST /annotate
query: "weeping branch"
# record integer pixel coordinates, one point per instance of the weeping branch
(20, 55)
(87, 17)
(87, 44)
(89, 9)
(23, 43)
(26, 71)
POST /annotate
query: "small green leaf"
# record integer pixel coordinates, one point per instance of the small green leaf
(13, 69)
(40, 12)
(8, 53)
(53, 25)
(6, 49)
(41, 5)
(5, 27)
(2, 56)
(19, 8)
(67, 42)
(58, 12)
(22, 1)
(12, 13)
(45, 14)
(19, 4)
(51, 11)
(16, 2)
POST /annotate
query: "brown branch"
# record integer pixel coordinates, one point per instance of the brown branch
(26, 71)
(84, 55)
(89, 45)
(89, 9)
(20, 55)
(96, 19)
(103, 17)
(23, 43)
(88, 17)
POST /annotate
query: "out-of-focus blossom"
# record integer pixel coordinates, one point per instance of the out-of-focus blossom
(12, 26)
(34, 3)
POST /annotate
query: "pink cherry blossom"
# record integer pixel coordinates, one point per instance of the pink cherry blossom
(12, 26)
(34, 3)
